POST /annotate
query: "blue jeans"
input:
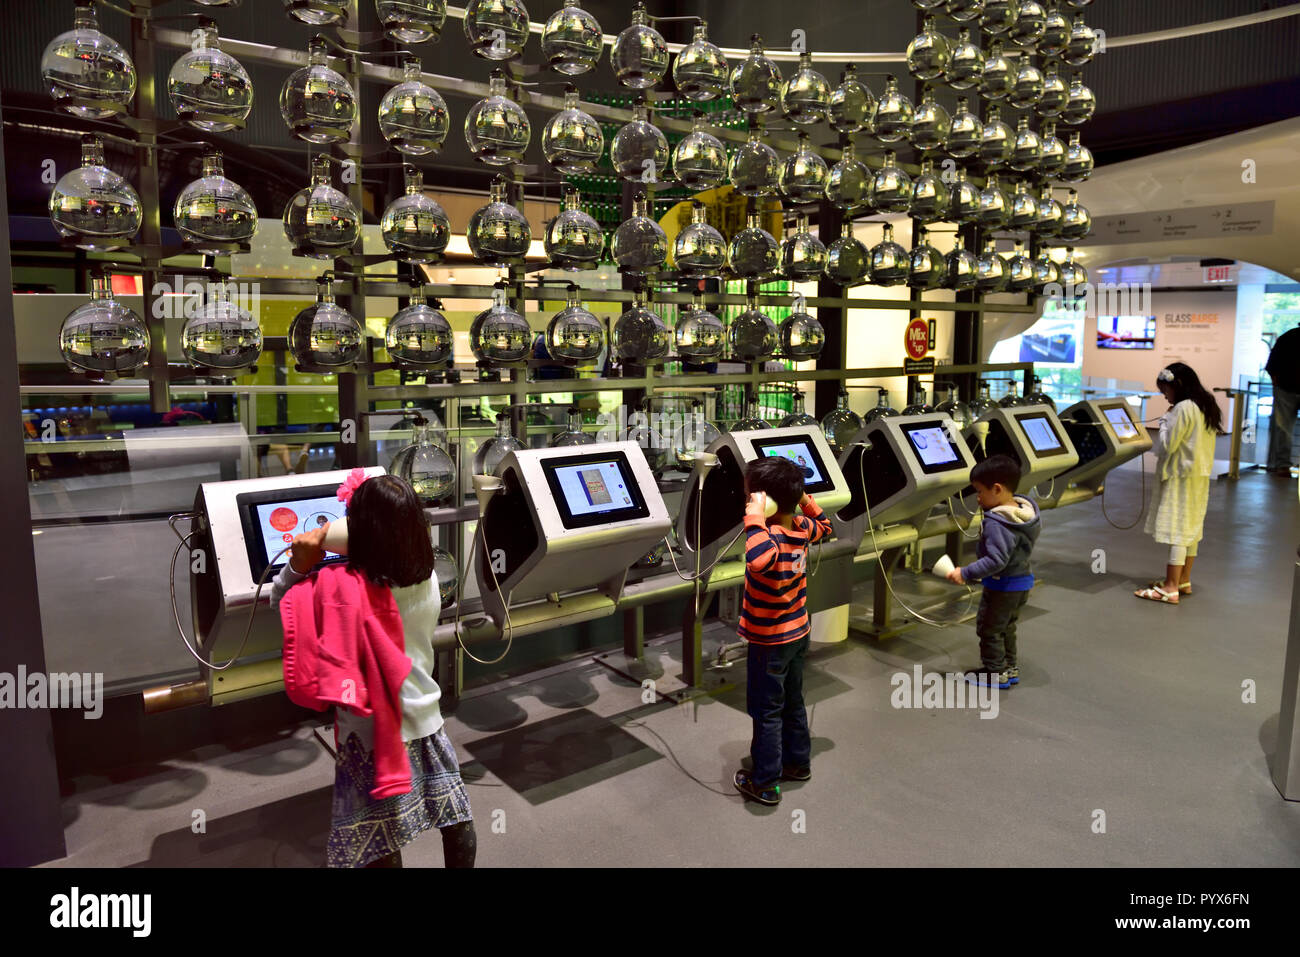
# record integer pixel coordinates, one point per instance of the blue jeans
(1279, 434)
(774, 700)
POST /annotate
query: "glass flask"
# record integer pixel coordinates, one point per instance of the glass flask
(1076, 221)
(851, 104)
(695, 436)
(752, 336)
(999, 77)
(318, 12)
(220, 336)
(1026, 148)
(801, 337)
(572, 434)
(419, 334)
(499, 334)
(1055, 94)
(700, 70)
(639, 54)
(847, 259)
(919, 405)
(447, 574)
(966, 132)
(699, 333)
(798, 416)
(964, 10)
(1028, 87)
(412, 21)
(653, 445)
(890, 262)
(640, 149)
(983, 402)
(1056, 32)
(803, 175)
(496, 128)
(965, 207)
(849, 181)
(931, 123)
(494, 450)
(1029, 25)
(751, 420)
(1037, 396)
(756, 81)
(1080, 105)
(414, 227)
(498, 233)
(572, 141)
(753, 253)
(929, 55)
(88, 73)
(892, 118)
(1051, 164)
(882, 410)
(1046, 272)
(575, 336)
(639, 246)
(213, 212)
(319, 221)
(572, 40)
(754, 169)
(966, 65)
(998, 16)
(956, 409)
(891, 188)
(997, 140)
(1050, 214)
(426, 466)
(640, 335)
(496, 29)
(963, 267)
(927, 4)
(699, 159)
(1020, 273)
(1022, 209)
(413, 116)
(1082, 45)
(94, 205)
(926, 267)
(103, 337)
(573, 240)
(1073, 274)
(325, 334)
(208, 88)
(218, 3)
(931, 196)
(841, 424)
(1011, 398)
(1079, 4)
(1078, 160)
(991, 270)
(803, 255)
(806, 95)
(316, 102)
(699, 251)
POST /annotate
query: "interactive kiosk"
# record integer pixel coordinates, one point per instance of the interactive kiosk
(1106, 435)
(1031, 435)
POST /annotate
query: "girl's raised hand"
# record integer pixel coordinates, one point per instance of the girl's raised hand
(307, 550)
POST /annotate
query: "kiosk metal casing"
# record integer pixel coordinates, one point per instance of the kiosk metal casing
(1032, 435)
(1105, 435)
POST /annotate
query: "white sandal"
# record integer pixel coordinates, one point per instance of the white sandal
(1155, 593)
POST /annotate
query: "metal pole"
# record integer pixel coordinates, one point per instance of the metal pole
(143, 46)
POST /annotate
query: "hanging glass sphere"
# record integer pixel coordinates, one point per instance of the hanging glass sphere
(991, 272)
(208, 88)
(752, 336)
(999, 16)
(419, 335)
(849, 181)
(640, 149)
(1020, 274)
(639, 55)
(498, 233)
(926, 266)
(218, 3)
(851, 104)
(573, 433)
(1050, 215)
(212, 212)
(496, 29)
(572, 40)
(499, 334)
(319, 221)
(1029, 25)
(1082, 45)
(103, 337)
(1080, 106)
(927, 4)
(756, 81)
(88, 73)
(919, 407)
(847, 259)
(325, 334)
(1055, 95)
(1079, 4)
(699, 334)
(890, 262)
(653, 445)
(427, 467)
(1076, 221)
(695, 436)
(572, 141)
(413, 116)
(94, 205)
(892, 117)
(640, 246)
(318, 12)
(497, 130)
(752, 421)
(997, 141)
(1073, 275)
(1046, 272)
(930, 195)
(1078, 161)
(640, 335)
(999, 77)
(412, 21)
(754, 169)
(699, 251)
(699, 159)
(753, 253)
(891, 188)
(994, 205)
(575, 336)
(929, 55)
(803, 255)
(966, 65)
(316, 102)
(964, 10)
(841, 424)
(963, 267)
(801, 337)
(700, 70)
(1052, 162)
(220, 336)
(414, 227)
(573, 240)
(806, 95)
(447, 574)
(1026, 149)
(965, 206)
(1029, 86)
(493, 451)
(1056, 33)
(931, 124)
(882, 410)
(804, 175)
(1023, 209)
(966, 132)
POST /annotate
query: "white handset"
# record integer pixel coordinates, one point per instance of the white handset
(769, 505)
(336, 536)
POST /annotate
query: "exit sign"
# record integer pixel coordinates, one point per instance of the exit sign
(1218, 273)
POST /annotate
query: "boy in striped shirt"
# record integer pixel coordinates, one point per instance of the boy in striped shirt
(774, 620)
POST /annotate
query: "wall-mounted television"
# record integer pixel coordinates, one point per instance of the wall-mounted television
(1126, 332)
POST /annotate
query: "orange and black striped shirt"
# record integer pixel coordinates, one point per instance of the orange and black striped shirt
(776, 580)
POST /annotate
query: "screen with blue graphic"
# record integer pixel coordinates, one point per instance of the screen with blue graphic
(800, 451)
(1121, 422)
(1040, 433)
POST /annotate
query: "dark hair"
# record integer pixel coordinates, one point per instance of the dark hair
(997, 470)
(388, 533)
(779, 478)
(1186, 384)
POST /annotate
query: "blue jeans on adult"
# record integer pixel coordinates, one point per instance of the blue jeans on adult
(774, 700)
(1279, 434)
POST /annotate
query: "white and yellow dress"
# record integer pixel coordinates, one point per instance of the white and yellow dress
(1184, 462)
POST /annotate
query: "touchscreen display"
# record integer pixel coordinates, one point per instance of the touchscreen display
(594, 489)
(278, 522)
(1042, 437)
(1119, 420)
(933, 446)
(800, 451)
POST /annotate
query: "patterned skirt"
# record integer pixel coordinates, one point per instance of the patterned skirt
(364, 828)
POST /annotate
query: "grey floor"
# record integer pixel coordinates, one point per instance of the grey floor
(1129, 712)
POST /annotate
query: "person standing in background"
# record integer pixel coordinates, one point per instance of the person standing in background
(1284, 369)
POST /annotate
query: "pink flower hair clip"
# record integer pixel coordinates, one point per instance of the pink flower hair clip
(350, 485)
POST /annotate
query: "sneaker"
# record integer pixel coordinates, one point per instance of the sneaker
(1013, 675)
(984, 678)
(770, 795)
(796, 773)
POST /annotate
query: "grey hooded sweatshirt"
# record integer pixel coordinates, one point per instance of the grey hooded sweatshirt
(1007, 537)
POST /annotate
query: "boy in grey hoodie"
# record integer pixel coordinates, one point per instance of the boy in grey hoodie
(1007, 535)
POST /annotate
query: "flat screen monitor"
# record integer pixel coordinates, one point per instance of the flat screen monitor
(801, 451)
(272, 519)
(934, 448)
(594, 489)
(1041, 434)
(1121, 422)
(1126, 332)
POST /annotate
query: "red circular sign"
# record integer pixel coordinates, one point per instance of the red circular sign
(917, 339)
(283, 519)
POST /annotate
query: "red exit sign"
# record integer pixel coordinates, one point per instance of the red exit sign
(1218, 273)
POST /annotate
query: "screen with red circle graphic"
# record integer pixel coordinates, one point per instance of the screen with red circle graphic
(278, 524)
(284, 519)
